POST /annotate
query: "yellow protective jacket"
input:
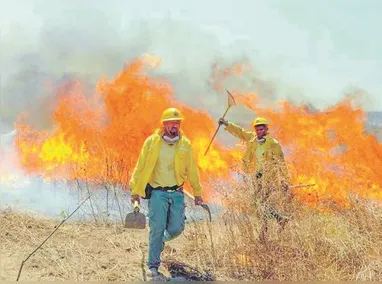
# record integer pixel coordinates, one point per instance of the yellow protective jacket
(275, 165)
(185, 166)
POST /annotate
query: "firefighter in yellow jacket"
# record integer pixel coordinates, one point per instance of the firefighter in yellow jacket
(264, 162)
(165, 162)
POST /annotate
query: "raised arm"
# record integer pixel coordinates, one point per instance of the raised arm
(239, 132)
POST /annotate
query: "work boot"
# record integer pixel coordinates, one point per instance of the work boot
(156, 275)
(163, 244)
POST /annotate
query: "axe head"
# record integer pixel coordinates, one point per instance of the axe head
(231, 99)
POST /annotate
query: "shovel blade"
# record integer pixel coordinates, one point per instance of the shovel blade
(135, 221)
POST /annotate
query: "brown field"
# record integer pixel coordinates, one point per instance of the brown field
(315, 245)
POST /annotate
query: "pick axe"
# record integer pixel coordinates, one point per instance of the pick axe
(231, 102)
(203, 205)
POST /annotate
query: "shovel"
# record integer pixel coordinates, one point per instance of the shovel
(135, 219)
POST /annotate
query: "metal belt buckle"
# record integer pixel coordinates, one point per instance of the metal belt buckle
(174, 190)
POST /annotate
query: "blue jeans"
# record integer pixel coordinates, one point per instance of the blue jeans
(166, 221)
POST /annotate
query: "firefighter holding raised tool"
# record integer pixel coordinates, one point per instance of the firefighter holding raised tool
(264, 162)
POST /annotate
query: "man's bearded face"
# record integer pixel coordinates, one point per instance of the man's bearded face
(172, 127)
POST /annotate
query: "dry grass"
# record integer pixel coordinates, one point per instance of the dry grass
(341, 245)
(315, 245)
(75, 252)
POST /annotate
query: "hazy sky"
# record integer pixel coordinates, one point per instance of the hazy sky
(305, 50)
(317, 48)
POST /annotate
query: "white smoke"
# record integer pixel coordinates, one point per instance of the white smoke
(46, 43)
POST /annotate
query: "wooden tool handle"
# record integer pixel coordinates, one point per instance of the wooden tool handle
(189, 195)
(136, 206)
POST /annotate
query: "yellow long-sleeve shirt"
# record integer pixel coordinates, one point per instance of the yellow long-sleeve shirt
(269, 155)
(164, 170)
(184, 164)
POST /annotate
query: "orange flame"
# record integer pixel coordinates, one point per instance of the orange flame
(328, 148)
(98, 138)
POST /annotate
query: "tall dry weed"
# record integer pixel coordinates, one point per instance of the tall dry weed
(316, 244)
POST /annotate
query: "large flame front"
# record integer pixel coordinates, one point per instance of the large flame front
(98, 138)
(329, 149)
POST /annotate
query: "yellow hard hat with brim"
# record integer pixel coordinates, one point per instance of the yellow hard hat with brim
(259, 121)
(171, 114)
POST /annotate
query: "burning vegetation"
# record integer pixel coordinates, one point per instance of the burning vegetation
(97, 138)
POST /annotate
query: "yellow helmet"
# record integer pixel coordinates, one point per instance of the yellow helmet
(171, 114)
(259, 121)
